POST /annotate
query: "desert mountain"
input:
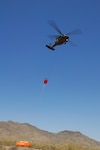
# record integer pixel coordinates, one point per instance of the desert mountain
(23, 131)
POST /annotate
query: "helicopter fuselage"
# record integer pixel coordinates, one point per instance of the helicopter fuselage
(61, 39)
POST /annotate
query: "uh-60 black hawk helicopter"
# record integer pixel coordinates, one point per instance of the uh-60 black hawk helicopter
(62, 38)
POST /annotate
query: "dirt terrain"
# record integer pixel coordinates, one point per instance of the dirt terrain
(16, 148)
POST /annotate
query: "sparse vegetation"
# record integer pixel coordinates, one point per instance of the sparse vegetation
(7, 143)
(10, 145)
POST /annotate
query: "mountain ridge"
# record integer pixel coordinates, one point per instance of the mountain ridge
(16, 131)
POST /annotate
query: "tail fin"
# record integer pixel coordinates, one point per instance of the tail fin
(50, 47)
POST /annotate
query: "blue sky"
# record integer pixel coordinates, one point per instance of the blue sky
(71, 99)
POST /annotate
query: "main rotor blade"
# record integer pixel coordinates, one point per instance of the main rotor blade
(53, 36)
(76, 31)
(54, 25)
(72, 43)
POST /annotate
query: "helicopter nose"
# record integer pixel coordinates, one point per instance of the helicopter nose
(67, 40)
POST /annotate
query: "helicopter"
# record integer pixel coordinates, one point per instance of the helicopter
(61, 38)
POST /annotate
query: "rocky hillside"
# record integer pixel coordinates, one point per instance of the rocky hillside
(23, 131)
